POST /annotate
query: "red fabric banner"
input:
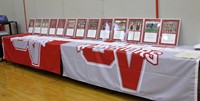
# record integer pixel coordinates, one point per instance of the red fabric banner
(50, 59)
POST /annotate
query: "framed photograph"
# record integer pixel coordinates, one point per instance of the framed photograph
(93, 25)
(119, 29)
(80, 28)
(169, 32)
(52, 27)
(38, 23)
(31, 26)
(70, 28)
(60, 27)
(45, 27)
(105, 29)
(151, 31)
(135, 27)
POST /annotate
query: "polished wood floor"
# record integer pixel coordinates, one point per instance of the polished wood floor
(21, 83)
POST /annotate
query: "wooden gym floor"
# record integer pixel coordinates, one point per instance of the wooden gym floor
(21, 83)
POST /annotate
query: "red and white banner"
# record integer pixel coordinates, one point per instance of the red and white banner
(33, 51)
(155, 73)
(150, 72)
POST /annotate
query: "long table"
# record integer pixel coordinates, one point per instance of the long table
(156, 73)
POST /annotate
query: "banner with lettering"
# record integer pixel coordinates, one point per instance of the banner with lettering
(150, 72)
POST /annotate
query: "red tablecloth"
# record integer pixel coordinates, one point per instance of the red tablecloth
(50, 59)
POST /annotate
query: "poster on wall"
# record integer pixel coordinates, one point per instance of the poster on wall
(119, 29)
(80, 29)
(45, 27)
(38, 23)
(60, 27)
(92, 28)
(169, 32)
(105, 29)
(135, 27)
(70, 28)
(52, 27)
(31, 26)
(151, 31)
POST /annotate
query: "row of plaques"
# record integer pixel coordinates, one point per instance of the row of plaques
(148, 31)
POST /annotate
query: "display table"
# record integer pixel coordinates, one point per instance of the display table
(156, 73)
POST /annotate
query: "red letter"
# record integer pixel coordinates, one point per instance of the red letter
(130, 75)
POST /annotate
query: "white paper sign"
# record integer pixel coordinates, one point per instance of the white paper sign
(104, 34)
(44, 30)
(168, 38)
(150, 37)
(130, 35)
(134, 36)
(37, 29)
(59, 31)
(30, 30)
(91, 33)
(80, 32)
(137, 36)
(118, 35)
(52, 31)
(70, 32)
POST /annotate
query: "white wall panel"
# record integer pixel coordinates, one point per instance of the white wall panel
(7, 8)
(129, 8)
(45, 8)
(82, 8)
(184, 9)
(19, 15)
(188, 11)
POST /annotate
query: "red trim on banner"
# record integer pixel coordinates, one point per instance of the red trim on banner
(25, 19)
(157, 8)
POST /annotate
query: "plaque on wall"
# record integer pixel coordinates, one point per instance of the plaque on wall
(105, 29)
(70, 28)
(45, 27)
(169, 32)
(52, 27)
(38, 23)
(80, 28)
(151, 31)
(60, 27)
(135, 27)
(93, 25)
(31, 26)
(119, 29)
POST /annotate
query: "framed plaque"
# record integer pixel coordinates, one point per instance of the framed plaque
(60, 27)
(151, 31)
(45, 27)
(52, 27)
(105, 29)
(93, 25)
(70, 27)
(119, 29)
(31, 26)
(169, 32)
(80, 28)
(135, 27)
(37, 29)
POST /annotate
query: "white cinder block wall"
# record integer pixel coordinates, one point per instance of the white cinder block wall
(188, 11)
(184, 9)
